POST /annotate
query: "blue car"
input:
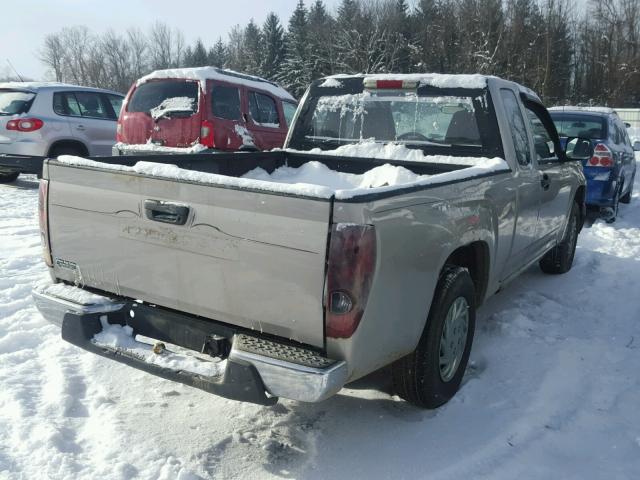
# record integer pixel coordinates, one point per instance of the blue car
(612, 168)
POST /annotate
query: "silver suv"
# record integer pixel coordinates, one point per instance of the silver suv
(51, 119)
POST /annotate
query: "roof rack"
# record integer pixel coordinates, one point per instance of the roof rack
(244, 76)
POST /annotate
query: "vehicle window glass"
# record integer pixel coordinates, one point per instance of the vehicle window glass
(518, 130)
(159, 94)
(263, 110)
(59, 104)
(225, 102)
(72, 105)
(116, 103)
(14, 102)
(91, 105)
(289, 111)
(543, 141)
(577, 125)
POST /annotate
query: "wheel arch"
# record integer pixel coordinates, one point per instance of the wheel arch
(77, 144)
(474, 257)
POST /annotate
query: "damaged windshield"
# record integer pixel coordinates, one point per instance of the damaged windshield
(416, 118)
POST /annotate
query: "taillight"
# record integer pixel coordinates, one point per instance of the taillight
(43, 216)
(118, 132)
(25, 124)
(206, 134)
(602, 156)
(372, 83)
(350, 269)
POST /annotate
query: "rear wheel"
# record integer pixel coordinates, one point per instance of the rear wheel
(432, 374)
(611, 213)
(9, 177)
(560, 258)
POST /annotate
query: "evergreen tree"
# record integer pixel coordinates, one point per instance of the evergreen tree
(274, 47)
(252, 49)
(217, 56)
(321, 43)
(295, 75)
(199, 57)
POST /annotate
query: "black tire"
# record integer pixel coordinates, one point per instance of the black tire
(417, 377)
(560, 258)
(626, 198)
(616, 206)
(9, 177)
(77, 151)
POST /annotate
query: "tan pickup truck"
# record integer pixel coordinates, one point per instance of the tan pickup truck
(398, 205)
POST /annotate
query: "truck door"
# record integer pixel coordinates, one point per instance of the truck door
(555, 192)
(527, 185)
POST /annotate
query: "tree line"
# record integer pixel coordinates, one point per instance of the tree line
(588, 55)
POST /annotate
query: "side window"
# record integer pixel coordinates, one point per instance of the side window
(91, 105)
(116, 103)
(59, 103)
(289, 111)
(225, 102)
(263, 110)
(518, 129)
(542, 139)
(73, 108)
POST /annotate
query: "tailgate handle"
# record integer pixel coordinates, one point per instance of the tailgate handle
(166, 212)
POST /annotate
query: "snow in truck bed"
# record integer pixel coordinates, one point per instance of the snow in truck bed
(314, 179)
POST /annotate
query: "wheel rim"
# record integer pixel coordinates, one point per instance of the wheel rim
(454, 338)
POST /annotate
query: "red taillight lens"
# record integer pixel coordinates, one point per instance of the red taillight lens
(602, 156)
(25, 124)
(351, 265)
(206, 134)
(118, 132)
(43, 216)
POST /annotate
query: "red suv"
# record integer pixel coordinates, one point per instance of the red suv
(203, 109)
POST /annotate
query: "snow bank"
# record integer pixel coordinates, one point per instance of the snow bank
(151, 147)
(175, 104)
(314, 179)
(438, 80)
(121, 339)
(202, 74)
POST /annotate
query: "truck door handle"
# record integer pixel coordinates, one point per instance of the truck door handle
(545, 181)
(166, 212)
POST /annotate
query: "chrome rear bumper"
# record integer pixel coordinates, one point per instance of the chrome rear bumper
(257, 370)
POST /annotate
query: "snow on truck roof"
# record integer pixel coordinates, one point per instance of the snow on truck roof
(573, 108)
(438, 80)
(202, 74)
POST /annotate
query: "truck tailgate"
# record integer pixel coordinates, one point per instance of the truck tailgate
(251, 259)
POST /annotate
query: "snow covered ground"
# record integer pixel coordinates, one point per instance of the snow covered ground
(553, 390)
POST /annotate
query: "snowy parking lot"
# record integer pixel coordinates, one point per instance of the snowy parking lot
(552, 390)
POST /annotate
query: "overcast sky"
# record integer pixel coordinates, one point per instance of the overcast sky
(25, 24)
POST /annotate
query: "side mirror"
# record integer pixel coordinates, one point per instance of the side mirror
(636, 145)
(578, 148)
(627, 124)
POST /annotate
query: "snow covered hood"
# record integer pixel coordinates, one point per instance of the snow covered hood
(314, 179)
(202, 74)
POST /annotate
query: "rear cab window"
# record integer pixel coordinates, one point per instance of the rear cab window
(447, 121)
(517, 126)
(15, 102)
(165, 98)
(263, 110)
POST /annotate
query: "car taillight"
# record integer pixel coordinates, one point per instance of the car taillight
(206, 134)
(372, 83)
(43, 216)
(25, 124)
(118, 132)
(602, 156)
(350, 269)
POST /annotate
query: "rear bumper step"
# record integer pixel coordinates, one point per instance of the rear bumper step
(251, 368)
